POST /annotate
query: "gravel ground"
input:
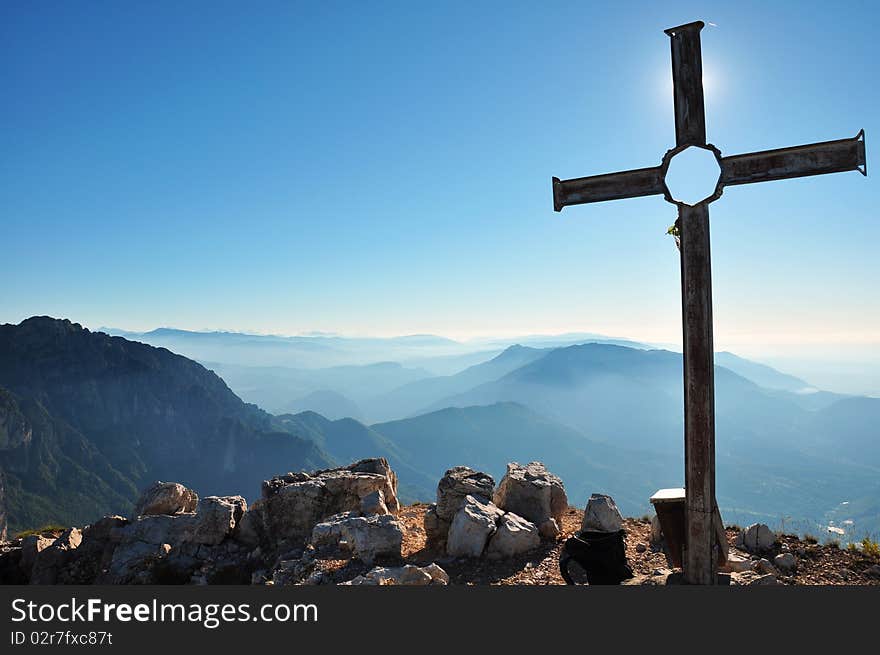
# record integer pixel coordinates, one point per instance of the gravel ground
(817, 564)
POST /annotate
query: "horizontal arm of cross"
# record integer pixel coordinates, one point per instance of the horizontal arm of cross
(611, 186)
(798, 161)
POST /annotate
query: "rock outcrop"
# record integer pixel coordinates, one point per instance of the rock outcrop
(291, 505)
(602, 515)
(177, 537)
(785, 562)
(535, 494)
(472, 526)
(166, 498)
(756, 538)
(51, 560)
(176, 546)
(457, 484)
(464, 522)
(366, 537)
(513, 536)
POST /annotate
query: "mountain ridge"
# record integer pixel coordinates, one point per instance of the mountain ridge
(137, 412)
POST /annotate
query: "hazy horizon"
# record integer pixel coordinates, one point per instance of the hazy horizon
(845, 369)
(385, 170)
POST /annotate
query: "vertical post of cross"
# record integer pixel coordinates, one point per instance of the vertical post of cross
(699, 395)
(696, 307)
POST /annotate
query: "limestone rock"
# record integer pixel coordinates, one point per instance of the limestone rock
(185, 542)
(374, 503)
(52, 559)
(166, 498)
(367, 537)
(293, 504)
(436, 529)
(785, 562)
(737, 564)
(158, 529)
(756, 538)
(438, 575)
(402, 575)
(349, 484)
(215, 519)
(532, 492)
(251, 530)
(132, 562)
(458, 483)
(513, 536)
(602, 515)
(873, 571)
(753, 578)
(471, 528)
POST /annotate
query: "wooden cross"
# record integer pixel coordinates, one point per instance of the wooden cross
(696, 282)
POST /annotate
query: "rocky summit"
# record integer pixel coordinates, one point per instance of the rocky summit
(346, 525)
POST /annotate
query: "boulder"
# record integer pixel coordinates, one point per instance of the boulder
(349, 484)
(367, 537)
(737, 564)
(785, 562)
(133, 561)
(438, 575)
(436, 529)
(293, 504)
(458, 483)
(753, 578)
(532, 492)
(166, 498)
(873, 571)
(158, 529)
(50, 561)
(215, 519)
(756, 538)
(185, 542)
(402, 575)
(513, 536)
(602, 515)
(471, 528)
(374, 503)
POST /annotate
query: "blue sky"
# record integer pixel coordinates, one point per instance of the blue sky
(384, 168)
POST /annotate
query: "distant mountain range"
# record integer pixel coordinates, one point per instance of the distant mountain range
(281, 389)
(761, 374)
(313, 351)
(86, 419)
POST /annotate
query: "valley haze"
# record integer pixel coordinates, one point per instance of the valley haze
(606, 414)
